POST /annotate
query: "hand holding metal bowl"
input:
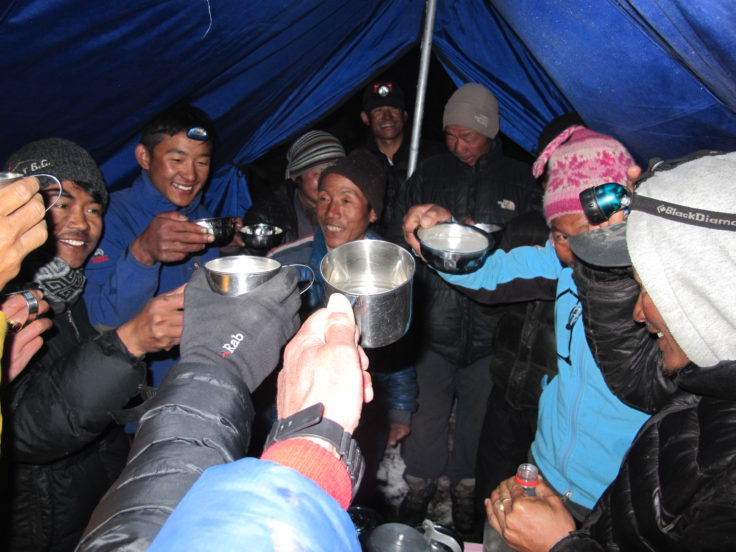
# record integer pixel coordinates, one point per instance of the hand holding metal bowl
(453, 247)
(222, 228)
(262, 236)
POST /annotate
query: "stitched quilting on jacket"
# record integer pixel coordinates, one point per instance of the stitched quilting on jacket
(62, 449)
(676, 489)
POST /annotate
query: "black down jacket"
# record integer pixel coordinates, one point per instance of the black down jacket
(494, 191)
(625, 351)
(676, 490)
(524, 346)
(61, 448)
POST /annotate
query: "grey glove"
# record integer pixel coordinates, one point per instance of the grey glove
(245, 332)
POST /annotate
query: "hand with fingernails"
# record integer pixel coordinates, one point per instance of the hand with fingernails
(22, 311)
(528, 523)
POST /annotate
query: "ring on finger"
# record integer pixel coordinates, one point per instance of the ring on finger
(500, 502)
(31, 301)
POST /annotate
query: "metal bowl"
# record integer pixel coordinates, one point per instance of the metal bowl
(223, 229)
(453, 247)
(262, 236)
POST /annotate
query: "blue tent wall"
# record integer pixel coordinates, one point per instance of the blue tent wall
(658, 74)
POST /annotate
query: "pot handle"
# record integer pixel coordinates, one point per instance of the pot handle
(302, 291)
(432, 535)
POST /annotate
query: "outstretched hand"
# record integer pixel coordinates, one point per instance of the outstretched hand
(157, 327)
(528, 523)
(423, 216)
(168, 238)
(324, 363)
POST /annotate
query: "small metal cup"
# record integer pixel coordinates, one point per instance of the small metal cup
(239, 274)
(7, 178)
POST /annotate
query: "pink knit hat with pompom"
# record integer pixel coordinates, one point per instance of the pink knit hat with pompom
(578, 159)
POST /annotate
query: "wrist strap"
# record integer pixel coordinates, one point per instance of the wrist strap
(310, 423)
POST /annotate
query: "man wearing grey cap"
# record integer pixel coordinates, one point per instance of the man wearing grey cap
(477, 182)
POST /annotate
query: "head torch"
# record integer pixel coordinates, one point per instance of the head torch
(600, 202)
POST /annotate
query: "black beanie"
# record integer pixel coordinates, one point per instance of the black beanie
(63, 159)
(364, 170)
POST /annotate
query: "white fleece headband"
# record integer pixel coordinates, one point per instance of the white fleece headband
(690, 271)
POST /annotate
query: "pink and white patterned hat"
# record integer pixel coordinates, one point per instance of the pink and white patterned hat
(578, 159)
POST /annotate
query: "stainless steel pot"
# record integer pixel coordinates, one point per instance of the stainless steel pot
(376, 276)
(453, 247)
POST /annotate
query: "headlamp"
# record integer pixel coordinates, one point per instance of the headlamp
(198, 133)
(600, 202)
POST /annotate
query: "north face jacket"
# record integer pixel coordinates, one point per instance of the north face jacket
(494, 191)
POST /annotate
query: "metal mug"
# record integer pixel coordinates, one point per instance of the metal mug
(376, 276)
(10, 177)
(239, 274)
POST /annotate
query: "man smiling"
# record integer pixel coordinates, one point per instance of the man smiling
(64, 449)
(151, 246)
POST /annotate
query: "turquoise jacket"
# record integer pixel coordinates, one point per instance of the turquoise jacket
(583, 430)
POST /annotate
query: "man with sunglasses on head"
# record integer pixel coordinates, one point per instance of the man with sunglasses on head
(150, 245)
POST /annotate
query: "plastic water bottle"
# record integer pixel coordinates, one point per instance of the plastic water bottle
(527, 475)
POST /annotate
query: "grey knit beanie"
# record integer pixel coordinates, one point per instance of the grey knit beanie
(688, 269)
(364, 170)
(63, 159)
(314, 149)
(472, 106)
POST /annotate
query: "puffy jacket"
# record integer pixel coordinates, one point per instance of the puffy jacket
(675, 490)
(170, 451)
(494, 191)
(257, 505)
(583, 429)
(627, 354)
(118, 285)
(61, 445)
(396, 169)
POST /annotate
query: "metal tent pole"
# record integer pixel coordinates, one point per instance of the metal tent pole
(416, 126)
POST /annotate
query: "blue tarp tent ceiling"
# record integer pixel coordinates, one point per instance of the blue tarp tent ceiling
(658, 74)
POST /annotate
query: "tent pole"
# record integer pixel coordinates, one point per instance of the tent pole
(416, 127)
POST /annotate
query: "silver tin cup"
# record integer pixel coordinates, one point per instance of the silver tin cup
(7, 178)
(239, 274)
(376, 276)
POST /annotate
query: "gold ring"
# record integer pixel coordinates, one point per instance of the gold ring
(500, 502)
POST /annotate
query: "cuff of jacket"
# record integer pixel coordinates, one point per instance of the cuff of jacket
(399, 417)
(577, 541)
(110, 343)
(316, 463)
